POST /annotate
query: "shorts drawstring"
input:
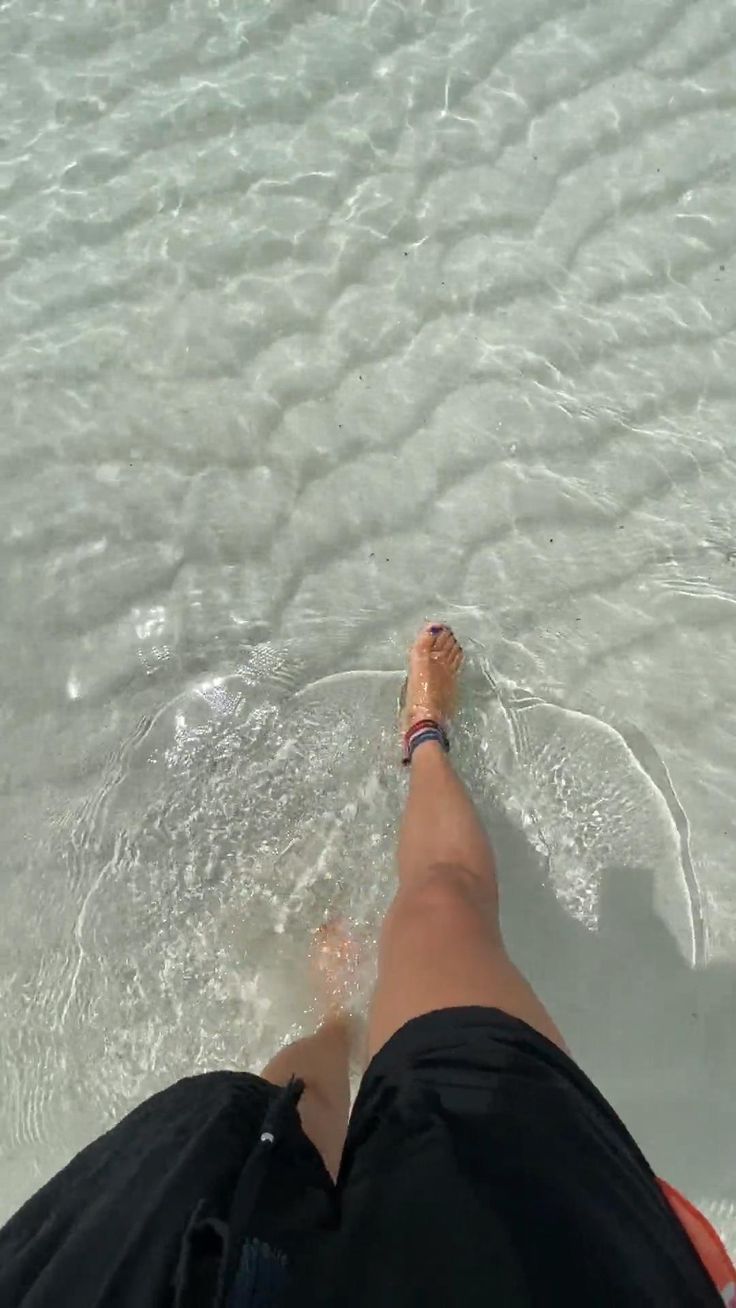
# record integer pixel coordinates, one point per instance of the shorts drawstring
(253, 1174)
(214, 1255)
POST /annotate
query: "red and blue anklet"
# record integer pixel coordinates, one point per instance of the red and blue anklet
(420, 733)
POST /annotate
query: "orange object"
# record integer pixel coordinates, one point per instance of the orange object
(706, 1242)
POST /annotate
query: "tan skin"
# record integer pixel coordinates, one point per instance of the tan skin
(441, 943)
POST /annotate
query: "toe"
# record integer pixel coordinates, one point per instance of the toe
(444, 642)
(424, 642)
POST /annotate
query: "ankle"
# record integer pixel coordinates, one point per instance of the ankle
(337, 1024)
(426, 732)
(421, 713)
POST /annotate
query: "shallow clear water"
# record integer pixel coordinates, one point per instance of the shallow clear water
(317, 320)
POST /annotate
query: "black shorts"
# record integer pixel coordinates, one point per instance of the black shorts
(481, 1168)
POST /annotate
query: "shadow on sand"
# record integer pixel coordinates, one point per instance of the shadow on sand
(657, 1037)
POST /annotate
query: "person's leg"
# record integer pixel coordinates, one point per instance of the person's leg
(322, 1060)
(441, 944)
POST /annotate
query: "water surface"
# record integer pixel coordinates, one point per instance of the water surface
(318, 320)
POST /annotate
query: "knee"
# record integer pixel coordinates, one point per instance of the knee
(449, 889)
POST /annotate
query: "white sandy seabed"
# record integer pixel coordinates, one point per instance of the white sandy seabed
(315, 321)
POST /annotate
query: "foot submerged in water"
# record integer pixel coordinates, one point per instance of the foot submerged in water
(335, 960)
(431, 685)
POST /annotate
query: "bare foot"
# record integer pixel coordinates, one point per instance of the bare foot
(335, 959)
(431, 686)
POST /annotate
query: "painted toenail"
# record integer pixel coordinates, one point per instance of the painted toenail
(435, 631)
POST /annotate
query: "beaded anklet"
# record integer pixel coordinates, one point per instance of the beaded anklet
(420, 732)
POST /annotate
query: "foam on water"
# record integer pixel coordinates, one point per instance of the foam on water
(314, 323)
